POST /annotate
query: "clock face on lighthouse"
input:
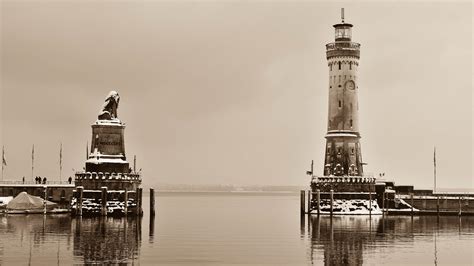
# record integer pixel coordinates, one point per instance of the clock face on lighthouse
(350, 85)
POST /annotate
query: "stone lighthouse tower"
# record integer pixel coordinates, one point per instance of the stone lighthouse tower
(343, 188)
(343, 152)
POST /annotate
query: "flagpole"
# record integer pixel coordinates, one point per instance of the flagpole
(32, 160)
(3, 159)
(434, 169)
(60, 161)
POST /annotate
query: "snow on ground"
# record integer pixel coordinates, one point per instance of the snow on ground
(5, 200)
(350, 206)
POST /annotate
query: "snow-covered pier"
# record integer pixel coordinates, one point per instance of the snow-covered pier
(55, 191)
(387, 199)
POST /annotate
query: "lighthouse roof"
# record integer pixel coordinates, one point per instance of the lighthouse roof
(341, 25)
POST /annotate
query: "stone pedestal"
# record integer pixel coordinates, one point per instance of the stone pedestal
(106, 165)
(107, 148)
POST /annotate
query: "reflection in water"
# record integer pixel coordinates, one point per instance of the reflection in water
(26, 234)
(343, 240)
(50, 239)
(151, 231)
(232, 229)
(107, 240)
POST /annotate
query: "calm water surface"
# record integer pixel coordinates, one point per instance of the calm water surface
(235, 228)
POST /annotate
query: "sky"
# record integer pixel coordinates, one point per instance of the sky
(236, 92)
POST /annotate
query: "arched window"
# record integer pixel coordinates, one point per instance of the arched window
(351, 122)
(340, 103)
(339, 63)
(350, 65)
(330, 67)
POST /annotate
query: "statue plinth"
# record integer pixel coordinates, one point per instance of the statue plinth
(107, 148)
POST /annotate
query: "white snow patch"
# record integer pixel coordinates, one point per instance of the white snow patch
(349, 207)
(5, 200)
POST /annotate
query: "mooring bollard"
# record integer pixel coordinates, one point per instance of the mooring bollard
(332, 199)
(125, 204)
(104, 201)
(140, 191)
(383, 203)
(460, 206)
(152, 201)
(411, 198)
(302, 202)
(79, 191)
(370, 203)
(445, 203)
(310, 195)
(137, 201)
(45, 198)
(437, 205)
(318, 200)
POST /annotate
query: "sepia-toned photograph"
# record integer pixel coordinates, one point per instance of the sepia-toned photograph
(178, 132)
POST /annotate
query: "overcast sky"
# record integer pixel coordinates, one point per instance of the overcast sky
(236, 93)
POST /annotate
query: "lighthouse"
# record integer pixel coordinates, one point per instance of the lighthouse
(343, 188)
(343, 151)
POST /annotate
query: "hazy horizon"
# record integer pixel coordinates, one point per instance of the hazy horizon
(236, 92)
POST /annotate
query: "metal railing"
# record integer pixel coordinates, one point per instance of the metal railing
(342, 45)
(343, 179)
(16, 182)
(107, 176)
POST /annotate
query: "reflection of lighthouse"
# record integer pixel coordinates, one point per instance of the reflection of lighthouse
(343, 239)
(343, 154)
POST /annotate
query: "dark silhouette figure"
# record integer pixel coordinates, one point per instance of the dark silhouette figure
(109, 110)
(69, 180)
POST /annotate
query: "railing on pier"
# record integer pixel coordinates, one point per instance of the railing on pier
(343, 179)
(16, 182)
(108, 176)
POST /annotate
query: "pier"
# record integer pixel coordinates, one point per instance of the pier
(55, 191)
(393, 202)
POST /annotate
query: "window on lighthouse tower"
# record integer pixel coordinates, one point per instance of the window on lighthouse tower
(339, 64)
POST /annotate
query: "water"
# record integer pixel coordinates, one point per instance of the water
(235, 228)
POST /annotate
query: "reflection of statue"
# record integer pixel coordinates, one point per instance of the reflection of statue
(107, 241)
(109, 110)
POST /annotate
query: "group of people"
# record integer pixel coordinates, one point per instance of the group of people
(40, 180)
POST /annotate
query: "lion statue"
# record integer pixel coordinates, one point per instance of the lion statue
(109, 109)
